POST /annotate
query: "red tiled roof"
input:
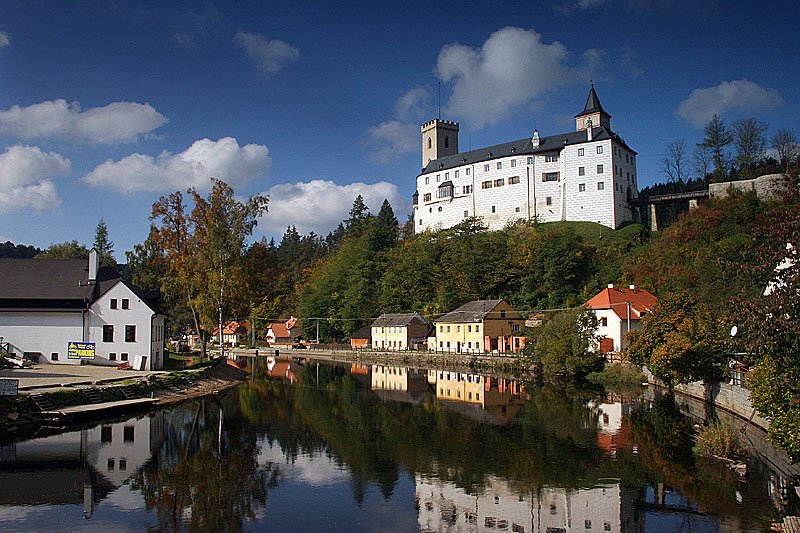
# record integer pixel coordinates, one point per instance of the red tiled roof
(279, 330)
(617, 299)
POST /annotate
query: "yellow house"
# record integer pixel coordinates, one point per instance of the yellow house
(398, 331)
(480, 326)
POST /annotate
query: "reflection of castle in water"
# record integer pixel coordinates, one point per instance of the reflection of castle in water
(79, 468)
(446, 507)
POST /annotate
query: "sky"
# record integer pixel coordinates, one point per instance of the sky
(106, 105)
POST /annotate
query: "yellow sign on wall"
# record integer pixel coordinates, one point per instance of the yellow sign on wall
(80, 350)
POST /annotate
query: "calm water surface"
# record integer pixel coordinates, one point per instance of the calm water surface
(308, 447)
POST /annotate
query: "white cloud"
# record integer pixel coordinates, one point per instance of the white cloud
(222, 159)
(319, 205)
(413, 105)
(118, 122)
(740, 95)
(571, 6)
(512, 69)
(628, 61)
(25, 173)
(5, 39)
(267, 56)
(392, 139)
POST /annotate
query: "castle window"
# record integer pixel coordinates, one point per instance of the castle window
(427, 197)
(438, 177)
(456, 174)
(466, 214)
(581, 171)
(581, 187)
(427, 180)
(551, 158)
(601, 185)
(430, 143)
(599, 169)
(486, 167)
(445, 190)
(466, 189)
(467, 172)
(447, 175)
(626, 158)
(550, 176)
(513, 163)
(530, 160)
(513, 179)
(494, 209)
(500, 182)
(499, 165)
(549, 200)
(486, 184)
(516, 209)
(599, 149)
(446, 141)
(580, 151)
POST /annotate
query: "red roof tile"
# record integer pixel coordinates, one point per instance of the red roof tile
(617, 299)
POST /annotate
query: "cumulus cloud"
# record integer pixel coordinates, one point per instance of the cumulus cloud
(392, 139)
(319, 205)
(512, 69)
(25, 173)
(222, 159)
(118, 122)
(5, 39)
(268, 56)
(413, 105)
(740, 95)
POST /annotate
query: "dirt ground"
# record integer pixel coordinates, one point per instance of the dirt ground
(49, 377)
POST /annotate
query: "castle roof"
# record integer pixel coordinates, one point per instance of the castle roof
(521, 147)
(592, 105)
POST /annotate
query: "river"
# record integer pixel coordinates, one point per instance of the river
(307, 446)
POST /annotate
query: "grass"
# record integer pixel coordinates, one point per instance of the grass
(615, 375)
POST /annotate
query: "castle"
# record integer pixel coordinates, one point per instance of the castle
(584, 175)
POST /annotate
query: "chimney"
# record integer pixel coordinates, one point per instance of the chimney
(632, 287)
(94, 265)
(610, 285)
(535, 139)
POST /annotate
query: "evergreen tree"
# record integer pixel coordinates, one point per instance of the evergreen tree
(716, 139)
(103, 245)
(359, 214)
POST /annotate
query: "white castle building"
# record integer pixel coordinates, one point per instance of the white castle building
(585, 175)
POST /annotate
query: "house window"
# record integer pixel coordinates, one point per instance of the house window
(580, 151)
(548, 200)
(551, 158)
(466, 172)
(581, 187)
(113, 303)
(112, 356)
(130, 333)
(513, 163)
(500, 182)
(550, 176)
(458, 329)
(499, 165)
(126, 304)
(105, 434)
(426, 197)
(110, 464)
(477, 328)
(108, 333)
(581, 171)
(441, 329)
(127, 433)
(54, 356)
(513, 180)
(448, 329)
(123, 356)
(502, 313)
(494, 209)
(599, 169)
(469, 328)
(427, 180)
(601, 185)
(599, 149)
(486, 167)
(486, 184)
(587, 524)
(123, 464)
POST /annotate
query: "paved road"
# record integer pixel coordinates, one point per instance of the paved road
(51, 376)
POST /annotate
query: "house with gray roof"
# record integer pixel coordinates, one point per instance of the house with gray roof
(398, 331)
(584, 175)
(72, 310)
(479, 326)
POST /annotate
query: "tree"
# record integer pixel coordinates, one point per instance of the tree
(716, 139)
(103, 245)
(701, 161)
(65, 250)
(562, 346)
(359, 214)
(750, 143)
(682, 340)
(675, 165)
(785, 143)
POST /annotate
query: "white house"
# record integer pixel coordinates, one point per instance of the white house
(619, 310)
(585, 175)
(50, 305)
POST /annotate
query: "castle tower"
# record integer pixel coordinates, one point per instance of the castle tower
(593, 111)
(439, 138)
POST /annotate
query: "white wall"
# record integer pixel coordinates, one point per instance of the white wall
(43, 332)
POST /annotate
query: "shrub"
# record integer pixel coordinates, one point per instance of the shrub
(618, 374)
(717, 439)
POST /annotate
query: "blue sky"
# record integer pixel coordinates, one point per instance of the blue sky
(107, 105)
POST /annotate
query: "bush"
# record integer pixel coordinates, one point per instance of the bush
(618, 374)
(717, 439)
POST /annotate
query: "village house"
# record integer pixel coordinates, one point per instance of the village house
(361, 338)
(233, 334)
(618, 311)
(283, 332)
(479, 326)
(398, 331)
(73, 310)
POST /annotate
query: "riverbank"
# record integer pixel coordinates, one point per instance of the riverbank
(23, 415)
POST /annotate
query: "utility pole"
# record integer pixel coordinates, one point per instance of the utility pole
(318, 331)
(221, 337)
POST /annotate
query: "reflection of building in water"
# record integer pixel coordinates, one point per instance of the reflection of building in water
(485, 398)
(613, 424)
(445, 507)
(283, 369)
(399, 383)
(77, 468)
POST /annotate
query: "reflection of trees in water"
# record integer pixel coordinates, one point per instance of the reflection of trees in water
(204, 479)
